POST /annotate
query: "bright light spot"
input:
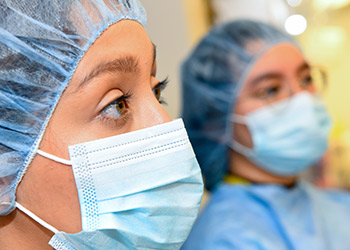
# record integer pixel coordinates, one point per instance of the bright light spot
(294, 3)
(295, 24)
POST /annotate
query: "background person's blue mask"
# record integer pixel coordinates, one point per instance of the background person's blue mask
(139, 190)
(288, 136)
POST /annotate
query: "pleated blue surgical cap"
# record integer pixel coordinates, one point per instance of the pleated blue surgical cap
(41, 43)
(212, 77)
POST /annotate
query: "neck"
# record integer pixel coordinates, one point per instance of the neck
(19, 232)
(241, 166)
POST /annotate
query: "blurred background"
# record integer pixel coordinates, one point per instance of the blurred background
(321, 26)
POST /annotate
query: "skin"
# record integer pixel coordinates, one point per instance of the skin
(48, 188)
(278, 74)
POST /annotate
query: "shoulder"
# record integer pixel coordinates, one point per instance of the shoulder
(331, 196)
(339, 196)
(222, 221)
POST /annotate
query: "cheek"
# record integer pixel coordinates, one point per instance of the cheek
(240, 131)
(48, 189)
(242, 135)
(247, 103)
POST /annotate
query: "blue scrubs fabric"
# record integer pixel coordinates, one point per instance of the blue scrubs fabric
(272, 217)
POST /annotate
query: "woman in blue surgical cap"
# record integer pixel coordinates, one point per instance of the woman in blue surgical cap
(89, 159)
(256, 121)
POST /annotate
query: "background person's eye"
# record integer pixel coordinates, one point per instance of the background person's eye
(268, 92)
(307, 81)
(116, 108)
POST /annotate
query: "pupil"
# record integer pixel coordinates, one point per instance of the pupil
(120, 105)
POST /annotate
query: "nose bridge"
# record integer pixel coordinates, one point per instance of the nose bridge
(149, 112)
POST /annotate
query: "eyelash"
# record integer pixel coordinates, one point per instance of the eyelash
(120, 120)
(162, 85)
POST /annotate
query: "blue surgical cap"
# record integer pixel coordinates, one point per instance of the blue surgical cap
(212, 77)
(41, 43)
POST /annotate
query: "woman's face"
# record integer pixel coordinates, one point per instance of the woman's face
(280, 73)
(114, 90)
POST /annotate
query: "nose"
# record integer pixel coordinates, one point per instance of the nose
(296, 87)
(149, 113)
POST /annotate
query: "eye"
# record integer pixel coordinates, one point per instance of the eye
(157, 90)
(306, 82)
(268, 92)
(116, 108)
(272, 91)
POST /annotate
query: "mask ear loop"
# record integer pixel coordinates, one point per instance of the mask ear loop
(235, 145)
(36, 218)
(54, 158)
(29, 213)
(235, 118)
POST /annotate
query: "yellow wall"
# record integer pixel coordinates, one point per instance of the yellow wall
(198, 19)
(326, 42)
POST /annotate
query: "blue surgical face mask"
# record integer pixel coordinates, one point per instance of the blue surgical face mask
(288, 136)
(139, 190)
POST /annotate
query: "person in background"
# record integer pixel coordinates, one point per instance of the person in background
(89, 159)
(256, 121)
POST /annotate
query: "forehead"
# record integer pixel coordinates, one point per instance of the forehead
(281, 57)
(125, 38)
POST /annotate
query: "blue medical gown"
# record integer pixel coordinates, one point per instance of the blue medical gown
(272, 217)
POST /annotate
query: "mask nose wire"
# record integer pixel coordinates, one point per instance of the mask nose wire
(54, 158)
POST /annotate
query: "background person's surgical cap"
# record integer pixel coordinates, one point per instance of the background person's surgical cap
(41, 43)
(212, 77)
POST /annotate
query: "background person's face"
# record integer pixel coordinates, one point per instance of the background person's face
(280, 73)
(113, 91)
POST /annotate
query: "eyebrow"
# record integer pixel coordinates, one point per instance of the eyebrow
(126, 64)
(304, 66)
(272, 75)
(266, 76)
